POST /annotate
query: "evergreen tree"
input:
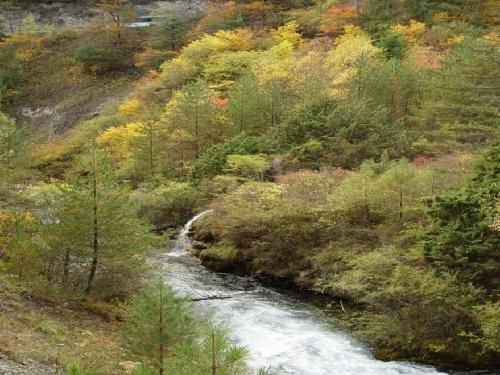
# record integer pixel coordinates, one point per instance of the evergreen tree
(95, 236)
(275, 102)
(213, 161)
(399, 179)
(246, 108)
(157, 320)
(171, 33)
(149, 150)
(194, 114)
(211, 353)
(462, 236)
(466, 87)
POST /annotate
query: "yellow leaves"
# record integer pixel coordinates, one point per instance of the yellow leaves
(182, 68)
(9, 216)
(130, 107)
(455, 41)
(259, 196)
(119, 140)
(341, 60)
(238, 40)
(412, 33)
(351, 31)
(442, 17)
(222, 41)
(288, 33)
(274, 64)
(27, 46)
(493, 38)
(178, 71)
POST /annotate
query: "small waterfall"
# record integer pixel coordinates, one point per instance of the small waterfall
(183, 241)
(279, 331)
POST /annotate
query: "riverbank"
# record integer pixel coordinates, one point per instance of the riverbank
(350, 316)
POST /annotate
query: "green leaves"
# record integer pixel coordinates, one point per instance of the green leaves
(210, 351)
(246, 107)
(461, 236)
(161, 332)
(156, 321)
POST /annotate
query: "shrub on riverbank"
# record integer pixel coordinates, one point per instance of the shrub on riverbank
(356, 235)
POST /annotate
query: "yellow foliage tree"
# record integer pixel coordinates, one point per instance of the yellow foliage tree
(289, 34)
(199, 51)
(176, 72)
(412, 33)
(275, 64)
(341, 62)
(119, 140)
(130, 107)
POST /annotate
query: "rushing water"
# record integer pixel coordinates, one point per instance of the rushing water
(279, 331)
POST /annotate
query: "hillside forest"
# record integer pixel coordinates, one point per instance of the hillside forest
(348, 150)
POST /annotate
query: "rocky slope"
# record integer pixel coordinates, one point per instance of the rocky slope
(78, 13)
(9, 367)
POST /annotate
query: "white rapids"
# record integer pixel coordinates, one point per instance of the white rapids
(280, 332)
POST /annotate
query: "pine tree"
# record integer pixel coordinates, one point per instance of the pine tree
(194, 114)
(171, 33)
(96, 240)
(466, 87)
(149, 149)
(274, 101)
(398, 179)
(462, 236)
(245, 107)
(211, 353)
(157, 320)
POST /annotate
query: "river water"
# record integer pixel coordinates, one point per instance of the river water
(279, 331)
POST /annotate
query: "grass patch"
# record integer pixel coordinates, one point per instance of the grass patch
(55, 333)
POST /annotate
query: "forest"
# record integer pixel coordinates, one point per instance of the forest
(347, 150)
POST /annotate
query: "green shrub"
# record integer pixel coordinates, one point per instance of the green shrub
(99, 56)
(78, 369)
(393, 45)
(213, 161)
(171, 203)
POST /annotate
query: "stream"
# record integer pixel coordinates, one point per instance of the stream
(279, 331)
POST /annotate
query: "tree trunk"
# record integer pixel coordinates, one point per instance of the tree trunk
(367, 208)
(214, 363)
(66, 268)
(196, 130)
(151, 164)
(161, 330)
(401, 204)
(242, 111)
(95, 245)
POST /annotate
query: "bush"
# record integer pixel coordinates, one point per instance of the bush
(99, 56)
(213, 161)
(488, 319)
(422, 312)
(104, 49)
(221, 185)
(462, 237)
(171, 203)
(78, 369)
(393, 45)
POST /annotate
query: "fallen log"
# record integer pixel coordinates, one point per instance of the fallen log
(210, 298)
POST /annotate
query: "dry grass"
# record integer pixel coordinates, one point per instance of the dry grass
(57, 333)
